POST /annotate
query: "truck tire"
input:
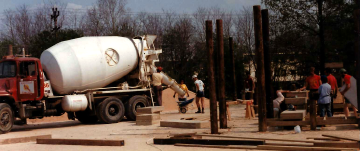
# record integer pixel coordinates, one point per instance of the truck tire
(6, 118)
(84, 118)
(135, 102)
(111, 110)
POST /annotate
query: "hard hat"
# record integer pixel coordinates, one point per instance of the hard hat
(159, 69)
(342, 70)
(194, 76)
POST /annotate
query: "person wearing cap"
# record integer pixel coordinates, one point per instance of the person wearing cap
(334, 87)
(157, 80)
(324, 97)
(346, 81)
(312, 81)
(199, 93)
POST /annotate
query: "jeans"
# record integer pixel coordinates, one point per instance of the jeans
(323, 108)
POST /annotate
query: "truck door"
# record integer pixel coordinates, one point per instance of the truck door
(28, 81)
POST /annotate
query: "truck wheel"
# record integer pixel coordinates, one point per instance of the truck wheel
(134, 103)
(111, 110)
(84, 118)
(6, 118)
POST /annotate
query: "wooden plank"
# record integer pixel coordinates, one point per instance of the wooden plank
(288, 123)
(185, 124)
(293, 115)
(183, 134)
(291, 144)
(293, 94)
(334, 65)
(86, 142)
(148, 117)
(296, 101)
(23, 139)
(149, 110)
(232, 102)
(217, 146)
(323, 138)
(287, 148)
(336, 120)
(168, 141)
(337, 144)
(341, 137)
(253, 138)
(146, 122)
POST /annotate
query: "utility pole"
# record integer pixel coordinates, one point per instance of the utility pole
(357, 51)
(212, 88)
(260, 71)
(233, 74)
(54, 17)
(321, 36)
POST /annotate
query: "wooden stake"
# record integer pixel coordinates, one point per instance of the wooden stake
(212, 88)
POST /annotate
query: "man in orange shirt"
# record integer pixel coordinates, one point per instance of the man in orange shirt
(334, 87)
(312, 82)
(346, 78)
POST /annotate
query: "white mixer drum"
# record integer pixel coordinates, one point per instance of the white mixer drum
(88, 62)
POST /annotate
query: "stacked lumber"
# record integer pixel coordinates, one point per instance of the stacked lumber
(334, 143)
(148, 115)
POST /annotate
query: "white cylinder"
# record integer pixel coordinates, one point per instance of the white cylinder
(172, 83)
(89, 62)
(74, 103)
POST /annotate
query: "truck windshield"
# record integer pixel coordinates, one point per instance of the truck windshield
(7, 69)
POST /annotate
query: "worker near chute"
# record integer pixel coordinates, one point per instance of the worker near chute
(183, 86)
(157, 81)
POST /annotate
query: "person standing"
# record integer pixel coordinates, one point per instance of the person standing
(312, 82)
(324, 97)
(183, 86)
(249, 87)
(199, 93)
(334, 87)
(157, 78)
(346, 79)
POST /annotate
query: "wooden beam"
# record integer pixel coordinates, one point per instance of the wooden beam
(212, 94)
(183, 134)
(293, 115)
(296, 101)
(23, 139)
(335, 121)
(288, 123)
(168, 141)
(260, 71)
(233, 71)
(217, 146)
(291, 144)
(323, 138)
(297, 148)
(337, 144)
(86, 142)
(253, 138)
(340, 137)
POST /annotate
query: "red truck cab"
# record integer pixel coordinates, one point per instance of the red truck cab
(21, 79)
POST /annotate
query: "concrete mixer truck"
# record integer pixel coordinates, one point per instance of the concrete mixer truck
(90, 78)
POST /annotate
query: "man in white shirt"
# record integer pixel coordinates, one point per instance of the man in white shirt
(157, 81)
(199, 93)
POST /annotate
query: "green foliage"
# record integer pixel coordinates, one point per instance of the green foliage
(46, 39)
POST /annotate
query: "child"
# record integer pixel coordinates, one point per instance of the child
(183, 87)
(324, 97)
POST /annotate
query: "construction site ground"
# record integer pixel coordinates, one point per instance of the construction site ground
(140, 138)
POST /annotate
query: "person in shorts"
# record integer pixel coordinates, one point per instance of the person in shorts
(324, 100)
(199, 94)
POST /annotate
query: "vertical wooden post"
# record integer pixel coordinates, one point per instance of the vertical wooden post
(212, 93)
(313, 100)
(260, 72)
(233, 74)
(221, 86)
(10, 52)
(268, 72)
(357, 52)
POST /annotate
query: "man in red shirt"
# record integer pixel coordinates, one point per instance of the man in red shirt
(312, 82)
(346, 78)
(334, 87)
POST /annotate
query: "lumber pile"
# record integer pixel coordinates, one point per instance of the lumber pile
(328, 142)
(293, 115)
(148, 115)
(192, 124)
(86, 142)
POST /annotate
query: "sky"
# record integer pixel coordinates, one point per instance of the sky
(153, 6)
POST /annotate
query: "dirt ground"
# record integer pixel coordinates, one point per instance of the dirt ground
(139, 138)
